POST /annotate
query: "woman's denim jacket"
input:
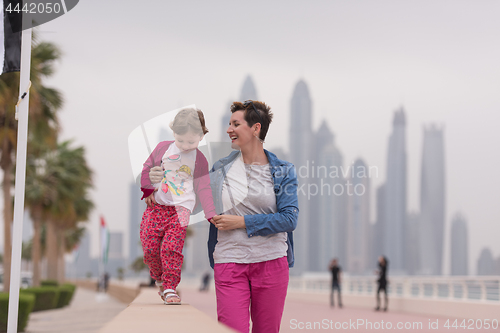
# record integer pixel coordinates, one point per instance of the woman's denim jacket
(285, 187)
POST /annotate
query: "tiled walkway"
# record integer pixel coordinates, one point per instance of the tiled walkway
(87, 313)
(305, 316)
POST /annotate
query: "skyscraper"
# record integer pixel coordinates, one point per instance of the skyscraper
(329, 232)
(195, 249)
(358, 196)
(459, 246)
(395, 188)
(225, 122)
(300, 152)
(317, 226)
(83, 263)
(486, 263)
(248, 91)
(137, 208)
(412, 251)
(115, 249)
(378, 229)
(432, 202)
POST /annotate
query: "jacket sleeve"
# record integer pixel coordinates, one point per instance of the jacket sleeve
(285, 220)
(202, 187)
(146, 187)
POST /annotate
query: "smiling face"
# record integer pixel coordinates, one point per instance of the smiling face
(188, 141)
(239, 132)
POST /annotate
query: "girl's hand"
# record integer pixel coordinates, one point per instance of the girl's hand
(156, 174)
(228, 222)
(151, 200)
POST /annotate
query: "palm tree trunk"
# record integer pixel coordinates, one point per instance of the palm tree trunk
(51, 251)
(62, 251)
(7, 167)
(37, 246)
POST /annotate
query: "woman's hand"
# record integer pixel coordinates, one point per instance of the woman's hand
(228, 222)
(151, 200)
(156, 174)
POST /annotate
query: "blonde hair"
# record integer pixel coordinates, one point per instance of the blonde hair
(189, 120)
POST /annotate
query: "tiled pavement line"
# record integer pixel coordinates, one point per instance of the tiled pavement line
(87, 313)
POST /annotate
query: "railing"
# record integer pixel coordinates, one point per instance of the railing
(457, 288)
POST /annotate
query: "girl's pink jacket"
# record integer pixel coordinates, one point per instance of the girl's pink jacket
(201, 178)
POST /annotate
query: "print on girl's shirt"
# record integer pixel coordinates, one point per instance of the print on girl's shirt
(175, 175)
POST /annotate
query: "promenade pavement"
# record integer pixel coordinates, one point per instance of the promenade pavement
(90, 311)
(87, 313)
(303, 315)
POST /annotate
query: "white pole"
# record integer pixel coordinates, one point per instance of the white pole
(22, 140)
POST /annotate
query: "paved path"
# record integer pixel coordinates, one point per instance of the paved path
(87, 313)
(316, 317)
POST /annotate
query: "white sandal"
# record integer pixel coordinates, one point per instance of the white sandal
(169, 293)
(159, 284)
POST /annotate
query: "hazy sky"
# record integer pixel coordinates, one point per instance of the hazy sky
(125, 62)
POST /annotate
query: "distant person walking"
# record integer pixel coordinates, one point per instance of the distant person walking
(336, 281)
(205, 280)
(382, 282)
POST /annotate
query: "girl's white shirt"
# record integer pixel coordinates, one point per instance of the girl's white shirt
(176, 187)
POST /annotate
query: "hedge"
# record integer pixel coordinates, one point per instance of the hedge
(46, 298)
(26, 302)
(49, 283)
(65, 294)
(71, 287)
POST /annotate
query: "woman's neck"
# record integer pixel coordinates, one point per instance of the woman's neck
(254, 154)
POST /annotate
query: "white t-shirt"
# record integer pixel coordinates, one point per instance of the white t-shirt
(176, 187)
(248, 190)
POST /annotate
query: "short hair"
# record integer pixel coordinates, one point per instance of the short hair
(250, 116)
(189, 120)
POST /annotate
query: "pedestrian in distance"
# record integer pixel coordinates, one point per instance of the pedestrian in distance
(205, 280)
(382, 282)
(336, 271)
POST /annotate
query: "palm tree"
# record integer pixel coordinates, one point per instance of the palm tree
(71, 204)
(40, 192)
(43, 124)
(8, 134)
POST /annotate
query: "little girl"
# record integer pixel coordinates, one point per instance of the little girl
(170, 202)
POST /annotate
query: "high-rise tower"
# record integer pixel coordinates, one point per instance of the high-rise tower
(432, 202)
(248, 91)
(459, 246)
(486, 263)
(358, 196)
(328, 234)
(137, 208)
(301, 152)
(378, 229)
(395, 192)
(412, 243)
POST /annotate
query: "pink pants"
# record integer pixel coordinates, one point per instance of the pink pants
(163, 230)
(260, 287)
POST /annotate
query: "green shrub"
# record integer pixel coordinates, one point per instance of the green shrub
(64, 296)
(49, 283)
(26, 302)
(46, 298)
(71, 287)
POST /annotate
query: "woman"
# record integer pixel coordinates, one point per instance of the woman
(250, 243)
(382, 282)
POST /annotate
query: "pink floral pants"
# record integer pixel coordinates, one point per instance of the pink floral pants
(163, 230)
